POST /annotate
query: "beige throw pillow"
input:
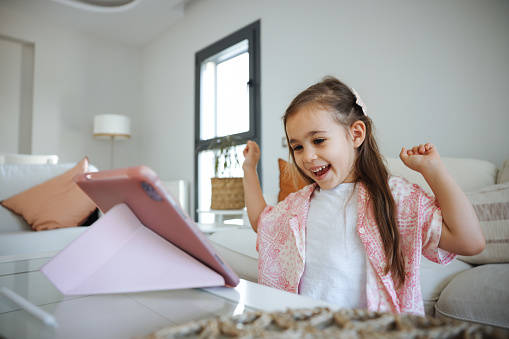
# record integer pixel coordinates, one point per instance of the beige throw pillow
(503, 175)
(56, 203)
(287, 184)
(492, 207)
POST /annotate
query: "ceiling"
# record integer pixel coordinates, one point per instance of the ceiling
(134, 22)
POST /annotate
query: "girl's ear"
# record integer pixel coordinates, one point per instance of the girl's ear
(358, 133)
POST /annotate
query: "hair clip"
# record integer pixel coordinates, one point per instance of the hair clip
(359, 102)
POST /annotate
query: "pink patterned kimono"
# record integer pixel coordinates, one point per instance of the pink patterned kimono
(282, 247)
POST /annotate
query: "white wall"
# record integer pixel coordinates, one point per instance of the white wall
(77, 76)
(10, 67)
(429, 71)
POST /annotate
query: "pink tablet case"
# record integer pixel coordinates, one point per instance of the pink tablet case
(143, 242)
(117, 254)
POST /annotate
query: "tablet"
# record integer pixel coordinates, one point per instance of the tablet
(140, 188)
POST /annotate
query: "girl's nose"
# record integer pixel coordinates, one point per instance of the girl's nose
(309, 154)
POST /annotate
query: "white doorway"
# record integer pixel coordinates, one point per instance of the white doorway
(16, 95)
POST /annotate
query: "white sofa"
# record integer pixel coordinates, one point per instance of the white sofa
(475, 293)
(17, 238)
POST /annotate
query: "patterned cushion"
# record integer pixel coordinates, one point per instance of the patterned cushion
(492, 207)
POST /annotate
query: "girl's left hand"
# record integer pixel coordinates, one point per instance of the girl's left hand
(420, 158)
(461, 232)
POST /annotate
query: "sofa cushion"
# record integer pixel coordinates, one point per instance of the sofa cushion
(238, 249)
(434, 277)
(503, 175)
(55, 203)
(478, 295)
(27, 159)
(26, 242)
(492, 207)
(470, 174)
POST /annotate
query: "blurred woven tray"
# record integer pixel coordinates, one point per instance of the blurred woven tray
(324, 323)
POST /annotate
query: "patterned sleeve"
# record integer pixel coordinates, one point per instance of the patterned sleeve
(262, 222)
(419, 212)
(430, 220)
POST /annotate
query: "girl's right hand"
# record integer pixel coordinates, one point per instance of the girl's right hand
(255, 202)
(252, 155)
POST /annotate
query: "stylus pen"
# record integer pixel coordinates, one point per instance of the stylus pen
(37, 312)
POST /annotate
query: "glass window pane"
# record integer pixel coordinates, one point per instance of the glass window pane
(233, 96)
(224, 92)
(208, 101)
(206, 166)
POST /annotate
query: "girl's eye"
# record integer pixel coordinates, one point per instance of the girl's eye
(297, 148)
(319, 141)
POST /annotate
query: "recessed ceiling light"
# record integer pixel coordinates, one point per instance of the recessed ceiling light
(104, 6)
(106, 3)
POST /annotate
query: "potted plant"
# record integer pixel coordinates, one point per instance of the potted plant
(227, 190)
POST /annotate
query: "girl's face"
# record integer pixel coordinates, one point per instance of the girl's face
(323, 149)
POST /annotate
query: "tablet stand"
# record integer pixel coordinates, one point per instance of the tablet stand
(117, 254)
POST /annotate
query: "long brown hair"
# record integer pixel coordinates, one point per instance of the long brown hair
(369, 166)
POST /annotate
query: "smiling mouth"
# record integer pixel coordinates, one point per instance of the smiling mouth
(321, 171)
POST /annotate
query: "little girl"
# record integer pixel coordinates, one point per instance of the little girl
(355, 235)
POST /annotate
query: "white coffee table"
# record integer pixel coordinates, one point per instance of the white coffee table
(123, 315)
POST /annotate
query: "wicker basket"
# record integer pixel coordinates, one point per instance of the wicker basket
(227, 194)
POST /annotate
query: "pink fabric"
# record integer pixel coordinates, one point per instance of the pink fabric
(282, 248)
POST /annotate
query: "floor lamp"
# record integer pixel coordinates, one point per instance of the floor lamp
(112, 127)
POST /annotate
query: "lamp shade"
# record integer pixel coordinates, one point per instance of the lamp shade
(112, 126)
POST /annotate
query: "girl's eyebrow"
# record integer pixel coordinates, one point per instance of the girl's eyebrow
(309, 134)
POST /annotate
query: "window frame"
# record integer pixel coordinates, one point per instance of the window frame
(251, 33)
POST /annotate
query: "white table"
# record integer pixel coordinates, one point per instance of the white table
(123, 315)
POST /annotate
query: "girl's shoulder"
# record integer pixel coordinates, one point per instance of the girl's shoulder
(403, 188)
(396, 181)
(305, 192)
(396, 185)
(294, 204)
(297, 199)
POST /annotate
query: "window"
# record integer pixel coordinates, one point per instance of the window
(227, 102)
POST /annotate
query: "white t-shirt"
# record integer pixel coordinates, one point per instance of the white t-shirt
(335, 265)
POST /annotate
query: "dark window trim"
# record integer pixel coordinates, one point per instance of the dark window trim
(252, 33)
